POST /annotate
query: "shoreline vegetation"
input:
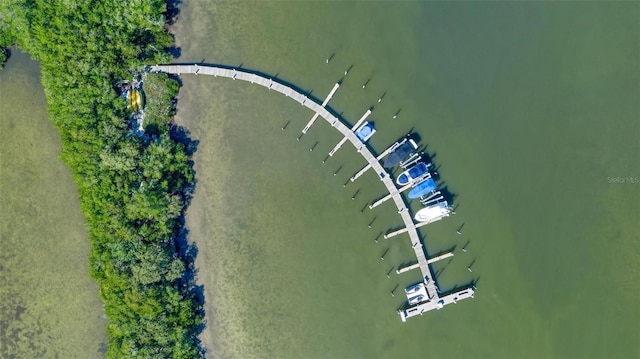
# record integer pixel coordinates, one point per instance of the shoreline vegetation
(133, 189)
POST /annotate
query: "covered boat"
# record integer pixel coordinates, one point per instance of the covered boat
(422, 188)
(417, 171)
(433, 212)
(365, 131)
(399, 154)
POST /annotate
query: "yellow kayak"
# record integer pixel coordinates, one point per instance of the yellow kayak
(139, 100)
(134, 100)
(128, 98)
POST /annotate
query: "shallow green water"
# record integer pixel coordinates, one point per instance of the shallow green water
(49, 307)
(530, 108)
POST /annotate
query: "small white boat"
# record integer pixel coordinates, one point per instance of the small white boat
(433, 212)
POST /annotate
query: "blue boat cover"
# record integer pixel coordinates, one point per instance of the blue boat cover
(364, 132)
(423, 188)
(418, 170)
(414, 172)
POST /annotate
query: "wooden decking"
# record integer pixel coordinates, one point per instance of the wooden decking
(349, 135)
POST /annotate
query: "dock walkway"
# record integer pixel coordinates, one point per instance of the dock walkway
(349, 135)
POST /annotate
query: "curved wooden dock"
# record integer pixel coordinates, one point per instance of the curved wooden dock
(362, 148)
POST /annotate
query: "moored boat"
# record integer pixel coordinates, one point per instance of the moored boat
(417, 171)
(399, 154)
(422, 188)
(365, 131)
(433, 212)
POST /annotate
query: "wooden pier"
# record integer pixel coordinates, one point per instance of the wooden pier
(326, 101)
(355, 127)
(418, 225)
(430, 261)
(420, 308)
(380, 156)
(362, 148)
(402, 189)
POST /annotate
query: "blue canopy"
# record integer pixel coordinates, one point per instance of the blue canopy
(423, 188)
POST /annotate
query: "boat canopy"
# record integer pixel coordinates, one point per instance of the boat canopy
(412, 173)
(399, 154)
(422, 188)
(365, 131)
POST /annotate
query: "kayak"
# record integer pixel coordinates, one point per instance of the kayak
(139, 99)
(134, 100)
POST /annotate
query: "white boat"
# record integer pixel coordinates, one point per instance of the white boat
(415, 300)
(433, 212)
(413, 173)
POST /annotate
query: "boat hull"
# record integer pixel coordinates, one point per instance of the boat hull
(411, 174)
(433, 213)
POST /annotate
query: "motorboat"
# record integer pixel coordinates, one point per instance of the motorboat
(415, 300)
(433, 212)
(413, 288)
(413, 173)
(400, 153)
(422, 188)
(365, 131)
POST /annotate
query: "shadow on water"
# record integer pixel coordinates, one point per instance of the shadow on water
(186, 249)
(172, 12)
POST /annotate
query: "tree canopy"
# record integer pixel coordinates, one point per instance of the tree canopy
(133, 189)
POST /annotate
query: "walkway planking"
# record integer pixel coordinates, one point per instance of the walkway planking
(430, 261)
(406, 187)
(355, 127)
(387, 180)
(326, 101)
(381, 156)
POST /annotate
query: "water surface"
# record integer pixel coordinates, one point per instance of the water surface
(49, 307)
(530, 109)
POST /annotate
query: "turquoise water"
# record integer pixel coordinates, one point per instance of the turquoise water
(532, 112)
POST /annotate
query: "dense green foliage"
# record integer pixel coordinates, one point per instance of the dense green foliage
(132, 188)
